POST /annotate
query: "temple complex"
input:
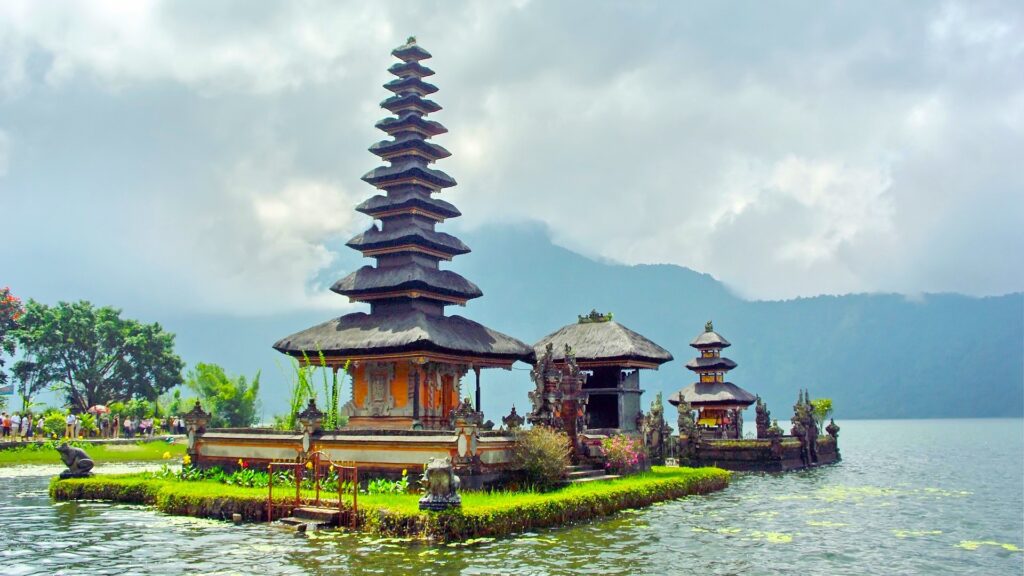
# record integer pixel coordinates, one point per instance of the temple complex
(720, 404)
(611, 356)
(407, 357)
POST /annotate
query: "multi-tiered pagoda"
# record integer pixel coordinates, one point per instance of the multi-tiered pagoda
(407, 357)
(720, 404)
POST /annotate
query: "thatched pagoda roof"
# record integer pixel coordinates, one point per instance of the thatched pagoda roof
(712, 393)
(409, 276)
(361, 334)
(703, 364)
(604, 341)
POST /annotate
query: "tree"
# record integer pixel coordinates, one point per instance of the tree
(32, 379)
(11, 311)
(97, 356)
(232, 402)
(821, 409)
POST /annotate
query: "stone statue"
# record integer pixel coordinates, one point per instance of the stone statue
(684, 421)
(832, 428)
(655, 431)
(78, 462)
(763, 418)
(440, 486)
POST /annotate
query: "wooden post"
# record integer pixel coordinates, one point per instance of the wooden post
(476, 371)
(416, 392)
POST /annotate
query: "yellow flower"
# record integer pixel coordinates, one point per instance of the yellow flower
(186, 460)
(309, 465)
(167, 455)
(241, 463)
(332, 467)
(404, 472)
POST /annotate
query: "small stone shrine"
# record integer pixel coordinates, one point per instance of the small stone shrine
(557, 400)
(612, 356)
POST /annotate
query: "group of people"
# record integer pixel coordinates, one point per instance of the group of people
(20, 426)
(25, 426)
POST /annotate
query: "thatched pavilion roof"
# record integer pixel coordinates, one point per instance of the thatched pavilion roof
(361, 334)
(603, 341)
(711, 393)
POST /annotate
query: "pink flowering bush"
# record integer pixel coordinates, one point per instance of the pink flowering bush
(624, 454)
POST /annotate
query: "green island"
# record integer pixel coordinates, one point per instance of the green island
(483, 514)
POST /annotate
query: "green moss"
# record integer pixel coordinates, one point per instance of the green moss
(483, 514)
(100, 453)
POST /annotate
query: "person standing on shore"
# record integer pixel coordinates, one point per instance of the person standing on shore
(15, 426)
(26, 426)
(5, 421)
(69, 425)
(115, 426)
(40, 430)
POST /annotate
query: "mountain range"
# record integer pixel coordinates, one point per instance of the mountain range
(874, 355)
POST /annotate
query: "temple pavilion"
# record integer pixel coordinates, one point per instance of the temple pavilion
(720, 404)
(407, 357)
(613, 356)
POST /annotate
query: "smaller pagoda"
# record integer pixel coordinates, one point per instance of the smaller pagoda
(720, 404)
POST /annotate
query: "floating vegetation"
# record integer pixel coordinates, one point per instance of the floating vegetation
(826, 524)
(470, 542)
(766, 514)
(975, 544)
(773, 537)
(915, 533)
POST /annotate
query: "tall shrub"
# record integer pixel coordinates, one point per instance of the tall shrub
(542, 454)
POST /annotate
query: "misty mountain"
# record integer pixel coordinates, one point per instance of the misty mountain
(875, 355)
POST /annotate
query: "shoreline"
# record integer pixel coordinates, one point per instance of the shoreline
(482, 514)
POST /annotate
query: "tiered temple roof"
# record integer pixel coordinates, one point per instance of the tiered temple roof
(406, 289)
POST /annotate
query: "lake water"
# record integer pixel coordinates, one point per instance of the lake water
(910, 497)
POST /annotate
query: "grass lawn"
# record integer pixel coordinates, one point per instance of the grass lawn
(482, 513)
(100, 453)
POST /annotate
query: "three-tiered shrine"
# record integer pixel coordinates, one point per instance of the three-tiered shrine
(407, 357)
(720, 404)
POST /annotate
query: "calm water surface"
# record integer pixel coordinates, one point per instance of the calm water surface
(910, 497)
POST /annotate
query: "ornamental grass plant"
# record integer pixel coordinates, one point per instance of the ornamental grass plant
(542, 454)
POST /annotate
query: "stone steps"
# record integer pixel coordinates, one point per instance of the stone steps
(313, 517)
(585, 473)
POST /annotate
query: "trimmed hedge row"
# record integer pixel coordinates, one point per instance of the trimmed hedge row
(482, 514)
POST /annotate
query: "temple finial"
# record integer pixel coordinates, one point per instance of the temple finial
(411, 40)
(709, 327)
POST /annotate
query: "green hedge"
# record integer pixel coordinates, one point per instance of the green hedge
(482, 514)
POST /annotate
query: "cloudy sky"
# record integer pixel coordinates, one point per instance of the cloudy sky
(205, 156)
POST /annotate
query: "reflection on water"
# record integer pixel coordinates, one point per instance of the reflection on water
(909, 497)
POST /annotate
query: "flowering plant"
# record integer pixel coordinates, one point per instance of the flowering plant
(624, 454)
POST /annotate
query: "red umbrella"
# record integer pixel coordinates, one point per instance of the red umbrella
(99, 409)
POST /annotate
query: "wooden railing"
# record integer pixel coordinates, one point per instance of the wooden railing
(319, 465)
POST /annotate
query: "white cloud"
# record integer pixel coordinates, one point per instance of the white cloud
(848, 149)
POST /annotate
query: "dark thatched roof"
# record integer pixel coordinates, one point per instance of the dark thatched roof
(410, 52)
(400, 102)
(410, 84)
(411, 275)
(710, 339)
(411, 234)
(406, 331)
(396, 200)
(720, 364)
(406, 69)
(381, 176)
(408, 142)
(604, 341)
(700, 393)
(407, 123)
